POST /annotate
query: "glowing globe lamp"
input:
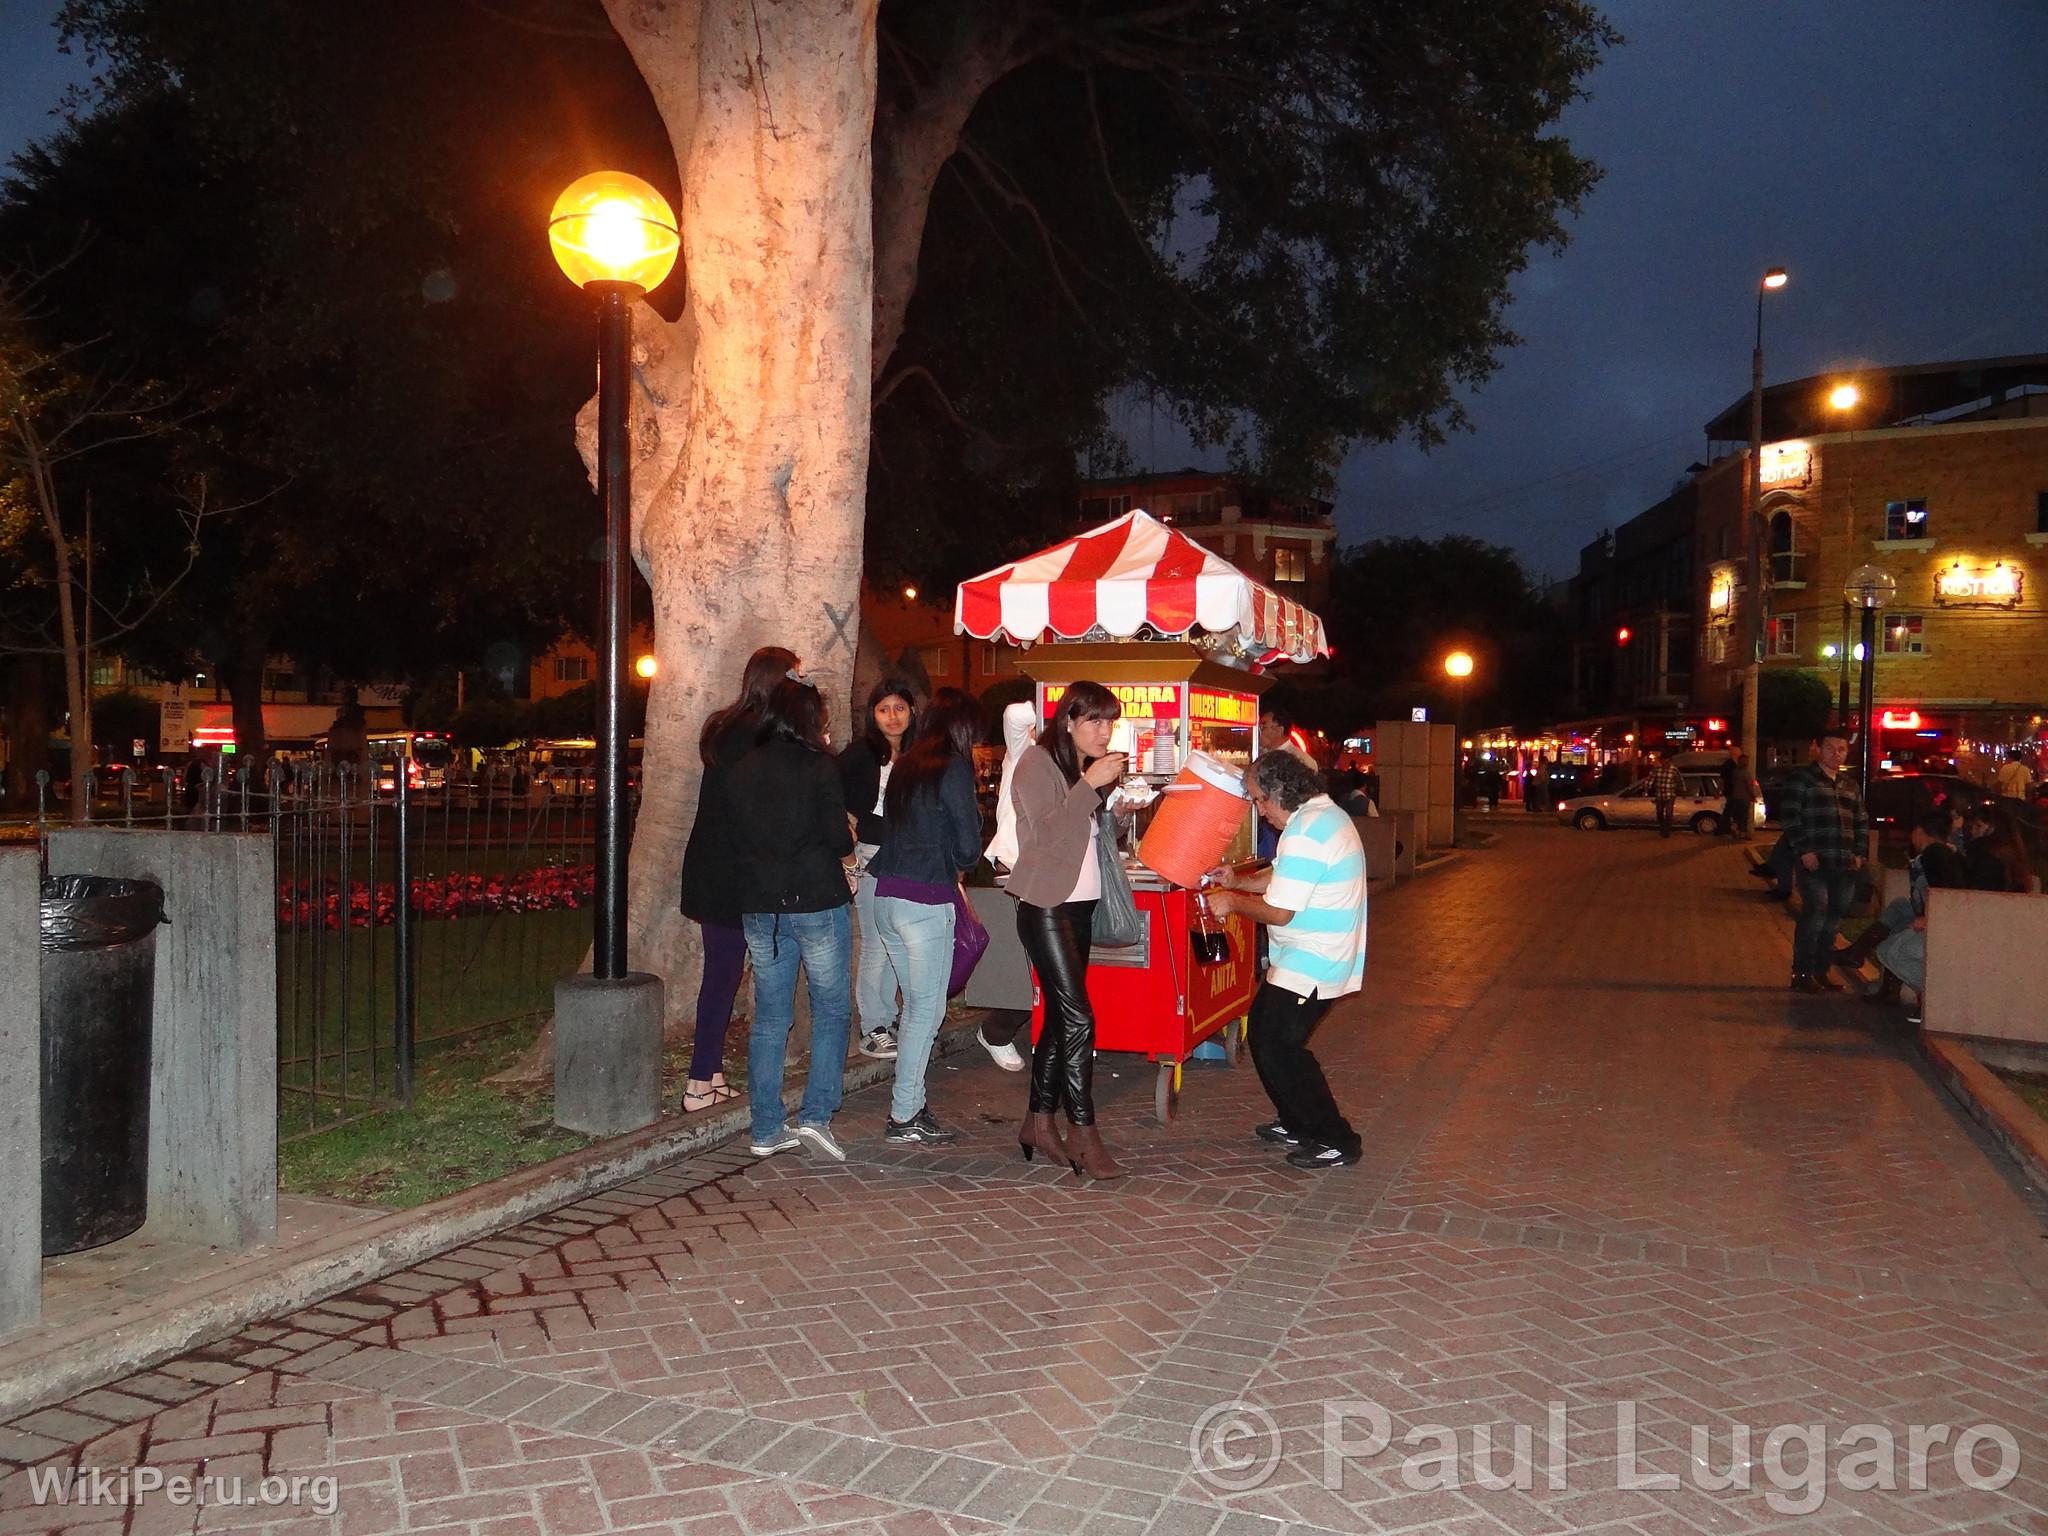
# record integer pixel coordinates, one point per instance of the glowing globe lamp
(609, 227)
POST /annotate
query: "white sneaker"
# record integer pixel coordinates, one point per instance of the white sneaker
(878, 1043)
(1005, 1056)
(782, 1141)
(819, 1139)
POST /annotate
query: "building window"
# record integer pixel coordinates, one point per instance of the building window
(1290, 565)
(1782, 638)
(1904, 634)
(1714, 643)
(1784, 551)
(988, 661)
(106, 673)
(572, 669)
(1104, 507)
(938, 662)
(275, 681)
(1906, 520)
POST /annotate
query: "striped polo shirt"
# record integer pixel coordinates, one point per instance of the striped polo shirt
(1319, 876)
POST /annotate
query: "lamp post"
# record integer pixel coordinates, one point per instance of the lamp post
(615, 237)
(1869, 588)
(1458, 667)
(1752, 507)
(1843, 398)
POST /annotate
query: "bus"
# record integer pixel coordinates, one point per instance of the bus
(425, 757)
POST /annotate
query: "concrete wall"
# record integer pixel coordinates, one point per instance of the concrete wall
(1987, 965)
(1416, 762)
(213, 1096)
(21, 1144)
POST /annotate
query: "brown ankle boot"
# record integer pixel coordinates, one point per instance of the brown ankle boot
(1041, 1133)
(1089, 1155)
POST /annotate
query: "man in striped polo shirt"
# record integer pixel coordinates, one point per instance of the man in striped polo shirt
(1312, 902)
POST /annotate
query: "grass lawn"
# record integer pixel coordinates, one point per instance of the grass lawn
(458, 1133)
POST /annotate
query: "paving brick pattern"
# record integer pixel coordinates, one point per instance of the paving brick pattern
(1622, 1194)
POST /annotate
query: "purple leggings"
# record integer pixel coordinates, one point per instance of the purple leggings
(725, 957)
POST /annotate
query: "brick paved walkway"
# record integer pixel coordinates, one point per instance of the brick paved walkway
(1618, 1183)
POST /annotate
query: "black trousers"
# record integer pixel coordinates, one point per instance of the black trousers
(1664, 810)
(1277, 1032)
(1063, 1065)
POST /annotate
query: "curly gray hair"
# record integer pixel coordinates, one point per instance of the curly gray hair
(1286, 780)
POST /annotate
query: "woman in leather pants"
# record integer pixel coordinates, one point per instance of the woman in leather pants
(1058, 795)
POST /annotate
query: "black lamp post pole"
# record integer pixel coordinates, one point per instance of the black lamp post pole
(614, 495)
(1863, 691)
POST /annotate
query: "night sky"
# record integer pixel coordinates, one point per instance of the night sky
(1892, 154)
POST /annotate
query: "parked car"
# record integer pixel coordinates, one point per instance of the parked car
(1699, 806)
(1899, 800)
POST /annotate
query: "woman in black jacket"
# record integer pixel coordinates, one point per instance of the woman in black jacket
(890, 725)
(933, 838)
(791, 841)
(708, 895)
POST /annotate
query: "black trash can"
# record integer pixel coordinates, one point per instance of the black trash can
(98, 964)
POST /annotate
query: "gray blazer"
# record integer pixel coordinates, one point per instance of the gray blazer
(1052, 829)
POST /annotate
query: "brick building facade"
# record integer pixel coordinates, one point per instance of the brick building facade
(1956, 512)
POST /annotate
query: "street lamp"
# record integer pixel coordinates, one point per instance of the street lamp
(646, 667)
(1842, 399)
(1458, 666)
(615, 237)
(1869, 588)
(1773, 280)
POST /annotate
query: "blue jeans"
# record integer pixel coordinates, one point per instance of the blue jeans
(1824, 898)
(919, 939)
(777, 941)
(875, 978)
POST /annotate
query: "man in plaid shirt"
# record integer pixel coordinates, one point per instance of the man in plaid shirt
(1664, 790)
(1826, 831)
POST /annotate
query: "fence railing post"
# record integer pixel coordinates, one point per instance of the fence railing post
(402, 949)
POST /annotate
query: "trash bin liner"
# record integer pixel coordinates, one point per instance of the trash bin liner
(98, 964)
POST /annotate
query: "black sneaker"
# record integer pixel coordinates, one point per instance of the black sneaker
(921, 1129)
(1314, 1156)
(1277, 1133)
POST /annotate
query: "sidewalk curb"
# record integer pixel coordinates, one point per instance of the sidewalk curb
(1450, 856)
(2013, 1125)
(41, 1367)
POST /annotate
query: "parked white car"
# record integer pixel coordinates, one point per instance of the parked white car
(1699, 806)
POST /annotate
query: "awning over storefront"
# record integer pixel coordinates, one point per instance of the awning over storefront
(1135, 578)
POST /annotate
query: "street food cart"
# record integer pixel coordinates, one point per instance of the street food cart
(1179, 635)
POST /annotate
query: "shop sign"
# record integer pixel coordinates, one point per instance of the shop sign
(1900, 720)
(1223, 708)
(1785, 465)
(1998, 586)
(1141, 701)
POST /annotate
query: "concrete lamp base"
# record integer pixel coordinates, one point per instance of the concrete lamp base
(607, 1053)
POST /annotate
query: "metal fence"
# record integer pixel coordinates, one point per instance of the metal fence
(498, 879)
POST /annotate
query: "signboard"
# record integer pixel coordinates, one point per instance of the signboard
(1419, 715)
(1141, 701)
(1998, 586)
(174, 718)
(1220, 708)
(1785, 465)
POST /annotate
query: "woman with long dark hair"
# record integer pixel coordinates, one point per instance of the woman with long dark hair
(790, 840)
(1059, 793)
(933, 838)
(889, 725)
(1996, 857)
(708, 896)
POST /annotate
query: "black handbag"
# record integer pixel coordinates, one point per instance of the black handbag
(1118, 921)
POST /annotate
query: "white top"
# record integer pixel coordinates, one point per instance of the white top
(882, 788)
(1089, 886)
(1319, 876)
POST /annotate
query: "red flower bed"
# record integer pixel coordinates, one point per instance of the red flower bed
(303, 903)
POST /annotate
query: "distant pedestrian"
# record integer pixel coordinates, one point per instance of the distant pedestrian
(2014, 780)
(1276, 734)
(1738, 795)
(1312, 902)
(1826, 829)
(932, 839)
(888, 725)
(791, 841)
(710, 896)
(1664, 790)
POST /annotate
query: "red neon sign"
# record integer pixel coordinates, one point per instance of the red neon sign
(1717, 725)
(1898, 720)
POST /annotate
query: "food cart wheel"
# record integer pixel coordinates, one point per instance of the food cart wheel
(1166, 1095)
(1233, 1041)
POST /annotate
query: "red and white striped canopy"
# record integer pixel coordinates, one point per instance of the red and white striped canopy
(1131, 576)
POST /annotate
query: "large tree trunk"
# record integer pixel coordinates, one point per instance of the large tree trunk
(28, 725)
(244, 672)
(751, 419)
